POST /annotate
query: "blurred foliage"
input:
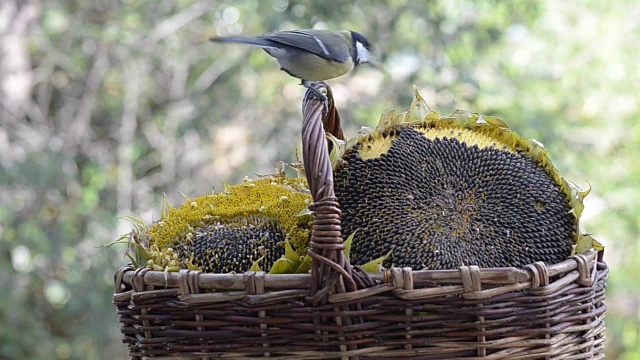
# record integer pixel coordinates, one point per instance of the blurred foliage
(106, 105)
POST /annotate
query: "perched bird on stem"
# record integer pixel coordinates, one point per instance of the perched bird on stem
(311, 55)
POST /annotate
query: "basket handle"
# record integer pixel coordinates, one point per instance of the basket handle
(330, 270)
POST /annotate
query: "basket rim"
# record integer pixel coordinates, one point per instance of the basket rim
(439, 282)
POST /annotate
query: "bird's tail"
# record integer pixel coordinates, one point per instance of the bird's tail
(257, 41)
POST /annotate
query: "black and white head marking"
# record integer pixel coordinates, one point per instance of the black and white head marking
(361, 48)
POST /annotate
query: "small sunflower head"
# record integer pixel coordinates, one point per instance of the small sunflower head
(248, 226)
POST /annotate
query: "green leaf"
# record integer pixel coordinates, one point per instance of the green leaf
(290, 262)
(289, 253)
(347, 244)
(303, 212)
(305, 265)
(186, 199)
(140, 253)
(136, 222)
(227, 187)
(166, 206)
(376, 264)
(597, 245)
(283, 266)
(124, 239)
(256, 265)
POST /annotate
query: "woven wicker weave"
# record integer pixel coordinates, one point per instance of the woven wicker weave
(339, 311)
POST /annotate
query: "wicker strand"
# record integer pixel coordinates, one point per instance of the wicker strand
(137, 282)
(363, 279)
(586, 273)
(188, 282)
(139, 286)
(254, 283)
(118, 277)
(407, 284)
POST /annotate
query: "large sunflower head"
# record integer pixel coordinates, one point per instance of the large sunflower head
(441, 192)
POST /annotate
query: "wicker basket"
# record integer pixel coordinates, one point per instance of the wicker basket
(339, 311)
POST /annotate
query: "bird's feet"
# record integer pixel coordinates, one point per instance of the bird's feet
(317, 94)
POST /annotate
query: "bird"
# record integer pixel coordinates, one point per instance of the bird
(311, 55)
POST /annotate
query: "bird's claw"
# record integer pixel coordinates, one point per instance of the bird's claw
(317, 94)
(322, 97)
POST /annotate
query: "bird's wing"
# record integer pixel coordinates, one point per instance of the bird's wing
(337, 50)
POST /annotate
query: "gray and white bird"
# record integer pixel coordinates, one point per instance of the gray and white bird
(311, 55)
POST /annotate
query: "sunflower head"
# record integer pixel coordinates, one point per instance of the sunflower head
(248, 226)
(441, 192)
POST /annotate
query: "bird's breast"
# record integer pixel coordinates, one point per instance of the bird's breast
(308, 66)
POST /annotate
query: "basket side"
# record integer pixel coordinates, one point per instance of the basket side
(501, 316)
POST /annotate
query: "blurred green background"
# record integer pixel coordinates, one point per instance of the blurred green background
(105, 105)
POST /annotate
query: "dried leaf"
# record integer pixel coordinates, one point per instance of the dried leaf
(493, 121)
(585, 243)
(418, 109)
(464, 117)
(387, 119)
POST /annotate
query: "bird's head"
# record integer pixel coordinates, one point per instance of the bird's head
(361, 47)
